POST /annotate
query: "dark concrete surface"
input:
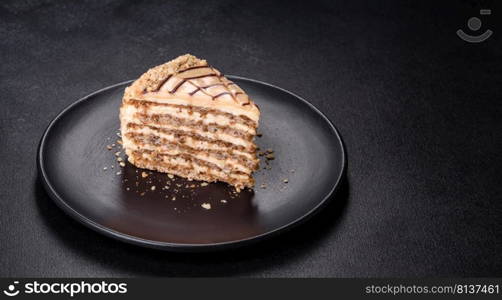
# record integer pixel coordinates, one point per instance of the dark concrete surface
(419, 111)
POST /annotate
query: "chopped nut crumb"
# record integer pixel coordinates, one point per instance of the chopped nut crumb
(105, 168)
(170, 176)
(122, 164)
(153, 188)
(223, 201)
(285, 180)
(108, 147)
(206, 205)
(142, 194)
(127, 189)
(263, 186)
(270, 156)
(173, 198)
(119, 142)
(204, 184)
(117, 153)
(144, 174)
(118, 173)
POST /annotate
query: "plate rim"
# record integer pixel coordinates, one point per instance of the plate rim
(183, 247)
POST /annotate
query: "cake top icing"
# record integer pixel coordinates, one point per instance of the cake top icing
(193, 79)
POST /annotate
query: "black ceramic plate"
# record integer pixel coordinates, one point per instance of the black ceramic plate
(120, 203)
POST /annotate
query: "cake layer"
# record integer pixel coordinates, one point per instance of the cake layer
(168, 120)
(186, 110)
(187, 168)
(165, 98)
(219, 157)
(218, 135)
(161, 146)
(191, 143)
(190, 131)
(181, 137)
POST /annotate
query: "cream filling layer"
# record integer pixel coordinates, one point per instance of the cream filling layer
(128, 111)
(231, 107)
(189, 141)
(227, 165)
(213, 136)
(198, 169)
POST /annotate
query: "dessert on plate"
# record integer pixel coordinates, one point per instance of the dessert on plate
(185, 118)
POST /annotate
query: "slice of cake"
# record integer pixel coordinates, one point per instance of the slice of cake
(185, 118)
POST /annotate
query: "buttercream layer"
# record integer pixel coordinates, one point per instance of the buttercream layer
(165, 120)
(191, 123)
(211, 114)
(186, 167)
(228, 163)
(182, 137)
(138, 141)
(188, 141)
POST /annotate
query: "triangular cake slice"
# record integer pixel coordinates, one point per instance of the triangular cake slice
(185, 118)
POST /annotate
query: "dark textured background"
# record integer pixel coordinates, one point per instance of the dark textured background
(419, 111)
